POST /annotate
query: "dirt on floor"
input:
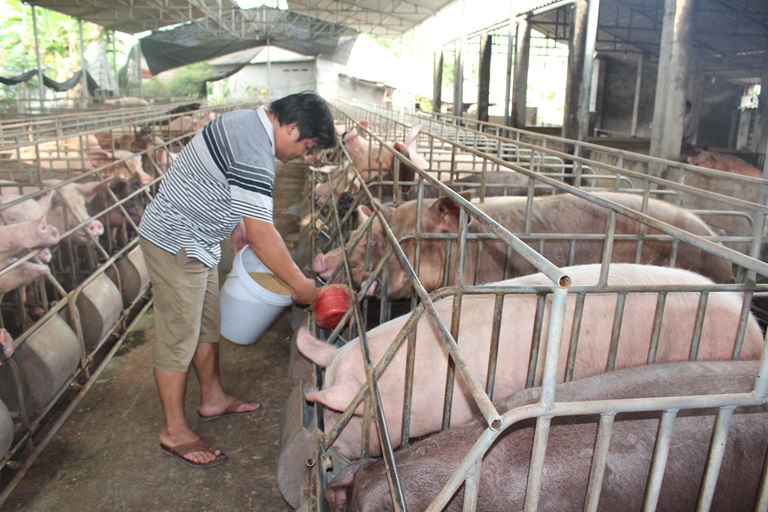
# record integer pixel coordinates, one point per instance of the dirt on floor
(106, 455)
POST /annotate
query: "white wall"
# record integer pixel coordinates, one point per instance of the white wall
(282, 78)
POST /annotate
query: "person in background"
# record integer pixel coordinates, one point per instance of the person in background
(219, 185)
(689, 125)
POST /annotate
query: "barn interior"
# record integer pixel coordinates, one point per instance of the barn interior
(80, 404)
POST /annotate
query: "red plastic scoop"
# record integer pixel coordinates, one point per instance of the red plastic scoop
(332, 302)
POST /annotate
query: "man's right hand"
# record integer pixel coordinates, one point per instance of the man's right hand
(306, 293)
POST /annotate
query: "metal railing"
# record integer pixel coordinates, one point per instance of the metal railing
(429, 312)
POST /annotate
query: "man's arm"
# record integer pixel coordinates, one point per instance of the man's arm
(269, 247)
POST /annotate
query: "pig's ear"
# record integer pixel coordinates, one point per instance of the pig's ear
(45, 201)
(410, 139)
(99, 157)
(406, 171)
(387, 211)
(364, 123)
(91, 188)
(315, 350)
(338, 396)
(349, 135)
(447, 212)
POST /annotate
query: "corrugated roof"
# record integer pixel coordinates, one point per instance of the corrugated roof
(382, 17)
(731, 35)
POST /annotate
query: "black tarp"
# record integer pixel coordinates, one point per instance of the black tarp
(204, 86)
(66, 85)
(196, 42)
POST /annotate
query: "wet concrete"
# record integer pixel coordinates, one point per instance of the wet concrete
(106, 455)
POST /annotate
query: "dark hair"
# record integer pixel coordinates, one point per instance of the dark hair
(310, 112)
(688, 103)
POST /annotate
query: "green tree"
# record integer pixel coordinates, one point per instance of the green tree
(178, 84)
(58, 36)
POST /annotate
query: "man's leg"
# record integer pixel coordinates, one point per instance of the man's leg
(171, 387)
(178, 289)
(213, 399)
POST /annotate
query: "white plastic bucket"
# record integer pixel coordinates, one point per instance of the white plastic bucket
(247, 308)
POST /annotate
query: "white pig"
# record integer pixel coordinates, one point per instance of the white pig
(345, 374)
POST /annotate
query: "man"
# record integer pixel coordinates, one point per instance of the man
(689, 126)
(220, 184)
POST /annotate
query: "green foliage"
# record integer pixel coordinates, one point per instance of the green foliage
(424, 103)
(386, 42)
(180, 83)
(58, 36)
(448, 70)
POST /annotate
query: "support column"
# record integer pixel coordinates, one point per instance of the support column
(508, 79)
(520, 82)
(484, 78)
(761, 122)
(83, 66)
(671, 85)
(638, 88)
(40, 85)
(580, 65)
(437, 83)
(458, 80)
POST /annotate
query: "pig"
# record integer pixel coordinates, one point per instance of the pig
(425, 467)
(325, 264)
(562, 213)
(336, 178)
(127, 101)
(28, 229)
(498, 183)
(27, 209)
(345, 373)
(187, 124)
(15, 239)
(113, 219)
(70, 208)
(23, 274)
(369, 158)
(119, 163)
(722, 162)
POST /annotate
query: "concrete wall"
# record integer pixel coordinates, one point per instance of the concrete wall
(319, 75)
(619, 93)
(283, 77)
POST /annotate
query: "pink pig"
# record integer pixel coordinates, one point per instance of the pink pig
(345, 373)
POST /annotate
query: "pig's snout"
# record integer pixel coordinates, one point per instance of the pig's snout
(96, 228)
(48, 234)
(45, 255)
(54, 234)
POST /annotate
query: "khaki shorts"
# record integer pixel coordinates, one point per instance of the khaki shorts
(186, 305)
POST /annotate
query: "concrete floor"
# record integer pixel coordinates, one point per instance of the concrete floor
(106, 456)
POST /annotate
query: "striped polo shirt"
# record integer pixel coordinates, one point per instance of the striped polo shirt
(225, 172)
